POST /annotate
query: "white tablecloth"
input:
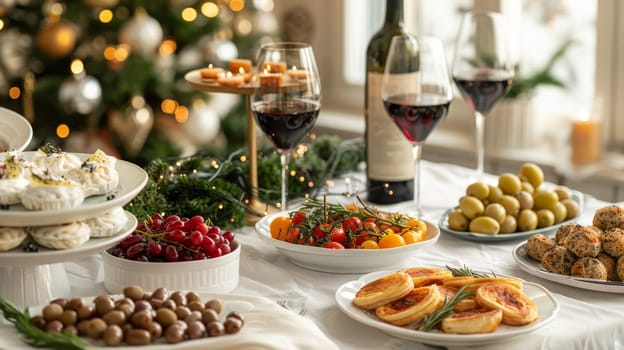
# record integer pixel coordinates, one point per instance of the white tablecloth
(587, 320)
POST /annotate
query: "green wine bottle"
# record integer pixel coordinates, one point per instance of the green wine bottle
(390, 165)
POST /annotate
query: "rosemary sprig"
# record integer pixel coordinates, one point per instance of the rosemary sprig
(36, 337)
(466, 271)
(433, 320)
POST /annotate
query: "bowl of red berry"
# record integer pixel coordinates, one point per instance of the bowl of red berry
(176, 253)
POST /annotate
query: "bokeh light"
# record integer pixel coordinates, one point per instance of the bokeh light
(105, 16)
(181, 114)
(15, 92)
(76, 67)
(189, 14)
(237, 5)
(168, 106)
(62, 131)
(210, 9)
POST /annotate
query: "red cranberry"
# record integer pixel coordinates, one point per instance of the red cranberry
(135, 250)
(207, 244)
(155, 249)
(171, 253)
(130, 241)
(229, 235)
(203, 228)
(196, 238)
(225, 248)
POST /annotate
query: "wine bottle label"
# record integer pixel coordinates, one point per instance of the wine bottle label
(389, 152)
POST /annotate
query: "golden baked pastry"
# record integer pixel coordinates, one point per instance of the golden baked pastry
(583, 241)
(613, 242)
(473, 283)
(589, 268)
(558, 260)
(518, 309)
(619, 268)
(415, 306)
(424, 276)
(537, 245)
(609, 264)
(472, 322)
(383, 290)
(563, 232)
(608, 217)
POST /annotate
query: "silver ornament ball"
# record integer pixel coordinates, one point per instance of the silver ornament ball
(142, 33)
(80, 94)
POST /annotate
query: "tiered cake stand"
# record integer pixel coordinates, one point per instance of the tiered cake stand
(33, 278)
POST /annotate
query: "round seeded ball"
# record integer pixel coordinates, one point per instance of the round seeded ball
(537, 245)
(609, 264)
(589, 268)
(558, 260)
(613, 242)
(563, 232)
(619, 268)
(608, 217)
(583, 241)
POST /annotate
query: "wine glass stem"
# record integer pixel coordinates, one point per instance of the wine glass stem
(480, 143)
(284, 159)
(417, 151)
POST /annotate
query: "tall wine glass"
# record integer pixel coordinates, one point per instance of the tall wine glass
(288, 99)
(416, 91)
(482, 69)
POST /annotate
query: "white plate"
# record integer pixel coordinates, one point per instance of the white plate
(15, 131)
(481, 237)
(535, 268)
(17, 257)
(267, 326)
(344, 260)
(132, 179)
(546, 304)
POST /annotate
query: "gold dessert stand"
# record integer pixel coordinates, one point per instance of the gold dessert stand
(195, 80)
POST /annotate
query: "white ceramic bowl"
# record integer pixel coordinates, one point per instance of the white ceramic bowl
(215, 275)
(344, 260)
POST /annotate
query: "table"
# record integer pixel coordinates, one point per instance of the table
(587, 319)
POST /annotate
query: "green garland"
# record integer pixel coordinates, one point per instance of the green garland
(219, 189)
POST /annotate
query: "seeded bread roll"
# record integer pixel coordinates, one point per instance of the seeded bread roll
(608, 217)
(589, 268)
(620, 268)
(537, 245)
(558, 260)
(609, 264)
(583, 241)
(613, 242)
(563, 232)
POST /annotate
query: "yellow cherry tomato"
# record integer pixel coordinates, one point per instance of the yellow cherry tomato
(417, 225)
(391, 240)
(413, 236)
(279, 227)
(369, 244)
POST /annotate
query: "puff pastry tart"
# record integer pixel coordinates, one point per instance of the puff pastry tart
(518, 309)
(383, 290)
(473, 283)
(472, 322)
(415, 306)
(424, 276)
(466, 304)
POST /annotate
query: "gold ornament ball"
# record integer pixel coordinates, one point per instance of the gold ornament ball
(56, 40)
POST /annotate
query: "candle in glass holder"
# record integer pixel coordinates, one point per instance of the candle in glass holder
(231, 80)
(246, 75)
(274, 67)
(585, 140)
(271, 79)
(211, 72)
(297, 74)
(237, 65)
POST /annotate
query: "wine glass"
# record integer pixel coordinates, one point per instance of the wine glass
(416, 92)
(288, 99)
(482, 69)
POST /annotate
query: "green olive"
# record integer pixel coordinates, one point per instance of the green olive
(509, 183)
(495, 194)
(510, 203)
(544, 199)
(496, 211)
(563, 193)
(527, 220)
(572, 208)
(560, 212)
(509, 225)
(545, 218)
(471, 207)
(457, 221)
(485, 224)
(525, 199)
(479, 190)
(532, 173)
(527, 187)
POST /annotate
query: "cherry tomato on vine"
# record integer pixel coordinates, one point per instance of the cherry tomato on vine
(293, 234)
(299, 218)
(351, 224)
(333, 245)
(319, 232)
(337, 234)
(391, 240)
(371, 226)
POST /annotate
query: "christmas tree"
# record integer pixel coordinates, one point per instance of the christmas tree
(105, 73)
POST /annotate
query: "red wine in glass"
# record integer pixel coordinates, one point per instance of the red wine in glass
(417, 114)
(484, 89)
(286, 122)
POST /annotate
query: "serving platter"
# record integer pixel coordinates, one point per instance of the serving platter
(485, 238)
(344, 260)
(132, 179)
(548, 309)
(267, 326)
(534, 268)
(15, 131)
